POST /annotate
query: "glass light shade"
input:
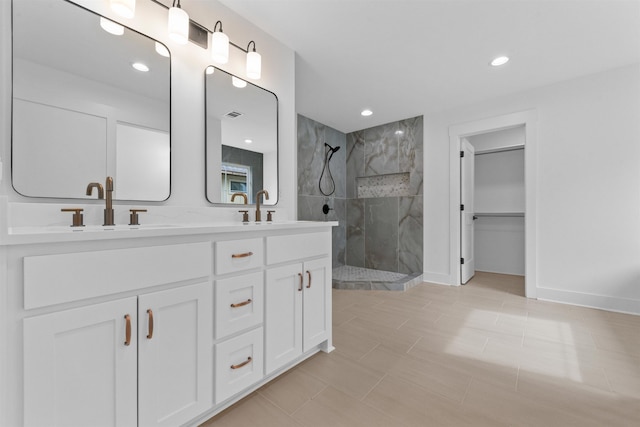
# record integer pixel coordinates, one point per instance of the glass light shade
(111, 27)
(220, 47)
(178, 25)
(238, 82)
(162, 50)
(124, 8)
(254, 65)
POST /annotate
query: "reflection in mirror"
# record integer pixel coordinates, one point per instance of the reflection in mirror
(81, 111)
(241, 139)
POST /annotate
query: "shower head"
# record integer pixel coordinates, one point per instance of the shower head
(333, 150)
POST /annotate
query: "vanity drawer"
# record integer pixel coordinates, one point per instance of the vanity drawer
(239, 255)
(297, 246)
(239, 303)
(239, 364)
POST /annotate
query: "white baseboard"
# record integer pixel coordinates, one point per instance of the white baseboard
(439, 279)
(621, 305)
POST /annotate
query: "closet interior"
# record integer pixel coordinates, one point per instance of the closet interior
(499, 193)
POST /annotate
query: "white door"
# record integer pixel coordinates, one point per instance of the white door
(467, 264)
(80, 366)
(283, 315)
(316, 321)
(175, 358)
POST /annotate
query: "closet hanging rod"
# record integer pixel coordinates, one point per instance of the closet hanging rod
(500, 150)
(499, 214)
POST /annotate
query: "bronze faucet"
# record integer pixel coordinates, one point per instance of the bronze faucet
(244, 196)
(108, 211)
(266, 197)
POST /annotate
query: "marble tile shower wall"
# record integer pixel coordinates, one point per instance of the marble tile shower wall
(382, 233)
(311, 152)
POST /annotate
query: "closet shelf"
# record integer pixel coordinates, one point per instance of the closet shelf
(499, 214)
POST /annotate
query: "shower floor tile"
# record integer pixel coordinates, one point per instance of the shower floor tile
(350, 277)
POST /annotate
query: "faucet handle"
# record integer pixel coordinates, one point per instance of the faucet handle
(269, 215)
(133, 217)
(245, 216)
(77, 216)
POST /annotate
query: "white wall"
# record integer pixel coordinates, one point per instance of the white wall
(588, 187)
(188, 63)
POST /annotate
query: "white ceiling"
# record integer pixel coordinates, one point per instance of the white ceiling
(403, 58)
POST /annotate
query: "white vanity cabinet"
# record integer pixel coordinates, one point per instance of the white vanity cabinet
(164, 327)
(298, 297)
(137, 359)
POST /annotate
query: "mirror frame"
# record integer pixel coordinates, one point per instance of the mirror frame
(273, 199)
(170, 122)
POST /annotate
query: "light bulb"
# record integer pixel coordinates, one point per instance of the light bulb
(178, 25)
(124, 8)
(219, 47)
(254, 65)
(111, 27)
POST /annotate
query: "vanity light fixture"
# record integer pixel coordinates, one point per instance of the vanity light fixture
(162, 50)
(366, 113)
(124, 8)
(219, 45)
(178, 23)
(500, 60)
(238, 82)
(140, 67)
(111, 27)
(254, 62)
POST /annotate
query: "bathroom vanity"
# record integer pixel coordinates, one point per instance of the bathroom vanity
(156, 325)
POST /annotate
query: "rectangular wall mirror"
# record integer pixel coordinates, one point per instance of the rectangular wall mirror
(84, 107)
(241, 147)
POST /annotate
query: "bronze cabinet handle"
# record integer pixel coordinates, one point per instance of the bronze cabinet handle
(240, 304)
(301, 280)
(240, 365)
(309, 275)
(244, 255)
(127, 340)
(150, 313)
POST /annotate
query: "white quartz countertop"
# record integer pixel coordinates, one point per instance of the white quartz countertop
(53, 234)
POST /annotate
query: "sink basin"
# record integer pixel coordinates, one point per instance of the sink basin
(87, 229)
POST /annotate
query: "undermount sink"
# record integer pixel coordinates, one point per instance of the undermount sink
(86, 229)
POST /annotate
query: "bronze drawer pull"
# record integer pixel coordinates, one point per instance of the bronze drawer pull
(244, 255)
(150, 313)
(127, 339)
(309, 275)
(240, 365)
(301, 280)
(240, 304)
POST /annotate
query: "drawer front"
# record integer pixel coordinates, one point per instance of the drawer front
(239, 303)
(55, 279)
(239, 364)
(239, 255)
(298, 246)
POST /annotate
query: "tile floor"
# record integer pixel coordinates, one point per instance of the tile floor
(476, 355)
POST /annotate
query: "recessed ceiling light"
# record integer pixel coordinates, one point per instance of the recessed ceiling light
(366, 112)
(248, 141)
(111, 27)
(500, 60)
(140, 67)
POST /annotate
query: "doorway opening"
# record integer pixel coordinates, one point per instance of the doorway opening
(461, 223)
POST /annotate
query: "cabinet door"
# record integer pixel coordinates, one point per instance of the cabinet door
(78, 371)
(175, 363)
(283, 315)
(317, 292)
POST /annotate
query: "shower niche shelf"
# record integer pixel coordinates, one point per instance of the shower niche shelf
(387, 185)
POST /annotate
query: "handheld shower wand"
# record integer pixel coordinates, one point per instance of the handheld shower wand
(326, 179)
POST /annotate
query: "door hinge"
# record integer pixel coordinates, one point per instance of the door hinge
(461, 260)
(461, 207)
(462, 154)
